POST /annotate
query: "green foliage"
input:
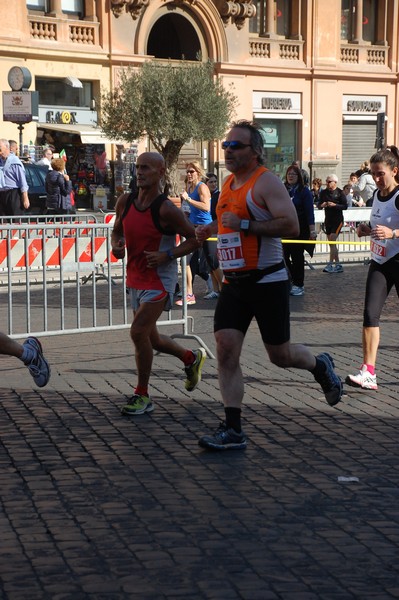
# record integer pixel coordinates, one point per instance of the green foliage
(171, 103)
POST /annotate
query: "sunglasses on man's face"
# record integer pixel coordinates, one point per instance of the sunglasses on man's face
(234, 145)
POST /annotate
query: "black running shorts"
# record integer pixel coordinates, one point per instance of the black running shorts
(238, 304)
(333, 227)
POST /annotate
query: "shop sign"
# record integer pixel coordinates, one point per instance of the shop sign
(67, 116)
(366, 105)
(64, 117)
(20, 107)
(276, 102)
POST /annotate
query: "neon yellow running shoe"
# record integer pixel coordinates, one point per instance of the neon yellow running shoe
(137, 405)
(193, 371)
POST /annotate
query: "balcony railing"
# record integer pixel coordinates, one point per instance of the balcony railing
(64, 31)
(357, 54)
(282, 49)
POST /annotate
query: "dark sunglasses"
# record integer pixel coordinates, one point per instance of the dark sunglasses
(191, 171)
(234, 145)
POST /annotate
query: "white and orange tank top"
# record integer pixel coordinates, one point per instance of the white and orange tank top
(240, 252)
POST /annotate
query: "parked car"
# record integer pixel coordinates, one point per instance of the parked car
(36, 177)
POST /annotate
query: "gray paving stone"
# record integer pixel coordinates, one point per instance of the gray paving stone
(93, 505)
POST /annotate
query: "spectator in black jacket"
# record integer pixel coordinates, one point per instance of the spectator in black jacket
(58, 188)
(334, 201)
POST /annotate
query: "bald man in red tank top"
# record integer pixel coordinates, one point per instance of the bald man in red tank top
(146, 225)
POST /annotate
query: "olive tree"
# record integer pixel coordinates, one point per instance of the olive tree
(171, 103)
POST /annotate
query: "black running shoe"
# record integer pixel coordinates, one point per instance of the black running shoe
(224, 439)
(329, 380)
(38, 366)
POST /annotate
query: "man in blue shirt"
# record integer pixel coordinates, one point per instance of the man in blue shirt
(13, 186)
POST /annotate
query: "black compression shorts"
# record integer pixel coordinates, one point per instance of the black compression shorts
(333, 227)
(380, 280)
(267, 302)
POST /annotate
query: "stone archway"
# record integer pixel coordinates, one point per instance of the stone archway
(173, 37)
(186, 30)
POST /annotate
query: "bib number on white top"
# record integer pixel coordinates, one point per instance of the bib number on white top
(229, 251)
(378, 250)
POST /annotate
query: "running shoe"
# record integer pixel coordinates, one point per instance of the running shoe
(296, 290)
(338, 268)
(190, 300)
(329, 268)
(329, 381)
(211, 295)
(364, 379)
(193, 371)
(224, 439)
(38, 365)
(137, 405)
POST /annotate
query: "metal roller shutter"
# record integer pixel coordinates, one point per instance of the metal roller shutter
(358, 141)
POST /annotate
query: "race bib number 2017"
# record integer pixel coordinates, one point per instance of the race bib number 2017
(230, 253)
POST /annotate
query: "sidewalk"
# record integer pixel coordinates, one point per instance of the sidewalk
(97, 506)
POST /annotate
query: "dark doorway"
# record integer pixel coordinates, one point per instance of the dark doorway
(173, 37)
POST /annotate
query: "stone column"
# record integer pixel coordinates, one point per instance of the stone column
(358, 29)
(90, 11)
(270, 30)
(55, 8)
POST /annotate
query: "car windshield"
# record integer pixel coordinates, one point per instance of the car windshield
(34, 176)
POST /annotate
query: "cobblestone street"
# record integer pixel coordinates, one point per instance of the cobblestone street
(97, 506)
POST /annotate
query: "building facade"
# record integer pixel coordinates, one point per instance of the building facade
(315, 74)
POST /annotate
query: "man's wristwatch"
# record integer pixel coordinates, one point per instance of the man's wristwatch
(394, 236)
(244, 226)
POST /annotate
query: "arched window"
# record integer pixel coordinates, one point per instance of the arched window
(277, 18)
(41, 5)
(75, 7)
(362, 22)
(58, 7)
(283, 18)
(370, 21)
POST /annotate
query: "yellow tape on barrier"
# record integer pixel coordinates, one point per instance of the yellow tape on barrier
(365, 244)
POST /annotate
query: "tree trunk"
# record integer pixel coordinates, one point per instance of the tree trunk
(171, 152)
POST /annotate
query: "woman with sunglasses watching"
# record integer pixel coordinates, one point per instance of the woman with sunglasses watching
(198, 198)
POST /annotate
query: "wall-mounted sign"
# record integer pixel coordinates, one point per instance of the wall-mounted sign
(67, 115)
(63, 117)
(276, 102)
(20, 107)
(366, 105)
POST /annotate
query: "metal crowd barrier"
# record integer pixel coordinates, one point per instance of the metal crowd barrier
(61, 277)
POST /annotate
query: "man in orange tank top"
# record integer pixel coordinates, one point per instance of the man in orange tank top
(253, 213)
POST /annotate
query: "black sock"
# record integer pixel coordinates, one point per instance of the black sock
(233, 418)
(319, 369)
